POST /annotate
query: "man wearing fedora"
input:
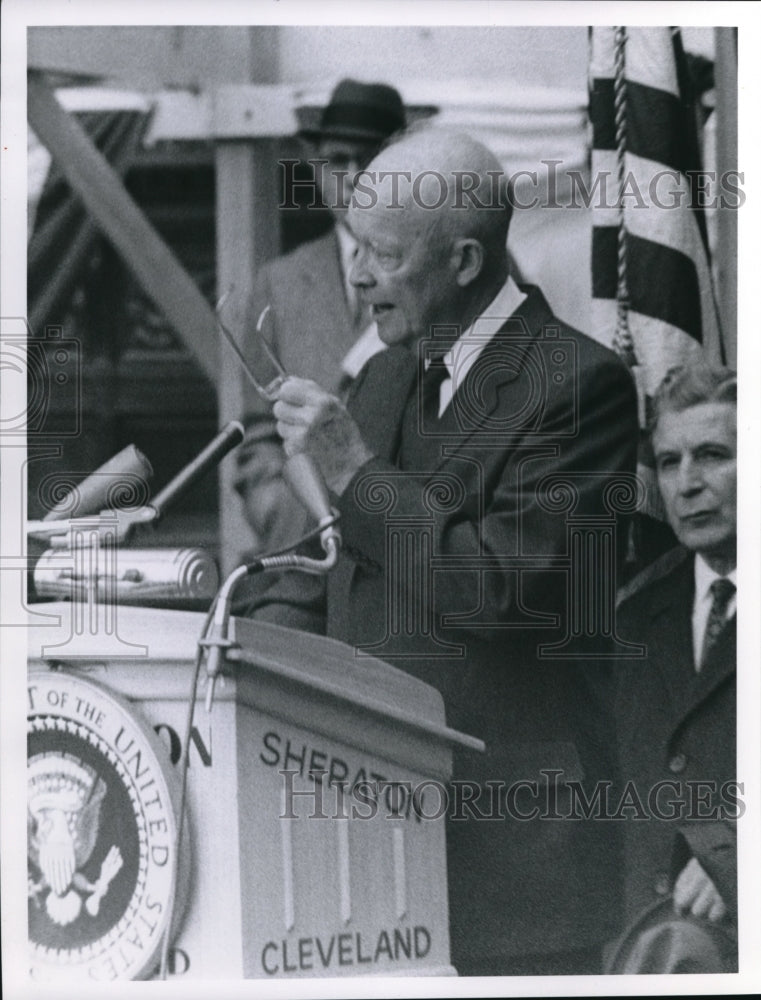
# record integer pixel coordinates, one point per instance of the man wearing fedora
(316, 322)
(676, 705)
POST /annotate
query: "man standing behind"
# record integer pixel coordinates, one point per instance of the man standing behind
(676, 708)
(451, 467)
(315, 321)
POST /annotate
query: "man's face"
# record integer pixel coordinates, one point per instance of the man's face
(345, 159)
(403, 268)
(696, 462)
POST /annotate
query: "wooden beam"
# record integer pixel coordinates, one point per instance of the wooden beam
(154, 265)
(231, 111)
(248, 234)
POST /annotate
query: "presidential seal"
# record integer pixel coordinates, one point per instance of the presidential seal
(102, 831)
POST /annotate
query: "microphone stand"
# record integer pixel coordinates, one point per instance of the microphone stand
(217, 638)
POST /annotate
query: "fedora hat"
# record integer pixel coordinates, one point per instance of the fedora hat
(364, 112)
(661, 941)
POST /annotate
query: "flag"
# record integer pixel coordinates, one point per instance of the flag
(652, 293)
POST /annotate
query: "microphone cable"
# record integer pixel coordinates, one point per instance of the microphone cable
(183, 789)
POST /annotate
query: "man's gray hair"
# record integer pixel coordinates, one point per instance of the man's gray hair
(691, 384)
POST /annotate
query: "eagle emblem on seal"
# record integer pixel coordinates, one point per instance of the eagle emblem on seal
(65, 797)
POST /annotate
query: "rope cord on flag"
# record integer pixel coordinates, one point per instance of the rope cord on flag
(622, 338)
(623, 342)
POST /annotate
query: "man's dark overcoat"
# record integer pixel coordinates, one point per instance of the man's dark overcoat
(676, 730)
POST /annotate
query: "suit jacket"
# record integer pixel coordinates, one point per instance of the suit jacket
(542, 400)
(309, 323)
(675, 725)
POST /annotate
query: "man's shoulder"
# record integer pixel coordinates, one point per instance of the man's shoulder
(387, 373)
(303, 256)
(655, 581)
(550, 329)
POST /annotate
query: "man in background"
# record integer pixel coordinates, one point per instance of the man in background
(316, 322)
(676, 707)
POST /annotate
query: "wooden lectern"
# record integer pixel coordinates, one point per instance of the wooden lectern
(316, 801)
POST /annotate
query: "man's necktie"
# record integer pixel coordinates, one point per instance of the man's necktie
(436, 373)
(420, 420)
(722, 592)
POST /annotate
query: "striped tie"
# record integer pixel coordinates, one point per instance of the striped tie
(722, 591)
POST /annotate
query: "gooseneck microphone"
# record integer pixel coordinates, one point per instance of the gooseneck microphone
(307, 484)
(304, 478)
(230, 436)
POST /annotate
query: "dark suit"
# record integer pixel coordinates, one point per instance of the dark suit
(532, 406)
(679, 726)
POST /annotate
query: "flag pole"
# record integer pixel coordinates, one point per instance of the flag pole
(725, 77)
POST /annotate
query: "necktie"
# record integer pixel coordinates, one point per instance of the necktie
(436, 373)
(722, 591)
(421, 416)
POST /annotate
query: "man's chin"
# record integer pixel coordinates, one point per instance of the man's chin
(712, 545)
(390, 331)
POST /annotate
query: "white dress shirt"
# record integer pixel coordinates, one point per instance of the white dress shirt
(704, 577)
(466, 349)
(464, 352)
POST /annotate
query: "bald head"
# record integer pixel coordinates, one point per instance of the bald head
(433, 213)
(454, 182)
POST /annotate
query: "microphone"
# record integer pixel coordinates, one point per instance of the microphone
(230, 436)
(307, 484)
(118, 479)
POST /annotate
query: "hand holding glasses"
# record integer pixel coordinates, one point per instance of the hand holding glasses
(269, 392)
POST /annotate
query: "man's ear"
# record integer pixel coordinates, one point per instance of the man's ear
(468, 256)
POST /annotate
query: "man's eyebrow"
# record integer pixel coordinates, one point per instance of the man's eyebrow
(708, 443)
(711, 443)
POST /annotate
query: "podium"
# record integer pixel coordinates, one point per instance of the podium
(315, 804)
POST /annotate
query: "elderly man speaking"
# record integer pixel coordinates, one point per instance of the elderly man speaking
(465, 430)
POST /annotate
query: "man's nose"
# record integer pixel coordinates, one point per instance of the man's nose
(690, 479)
(360, 275)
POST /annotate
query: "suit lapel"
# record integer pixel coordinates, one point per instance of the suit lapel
(671, 653)
(378, 398)
(492, 391)
(722, 664)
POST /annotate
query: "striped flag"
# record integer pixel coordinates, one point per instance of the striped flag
(652, 294)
